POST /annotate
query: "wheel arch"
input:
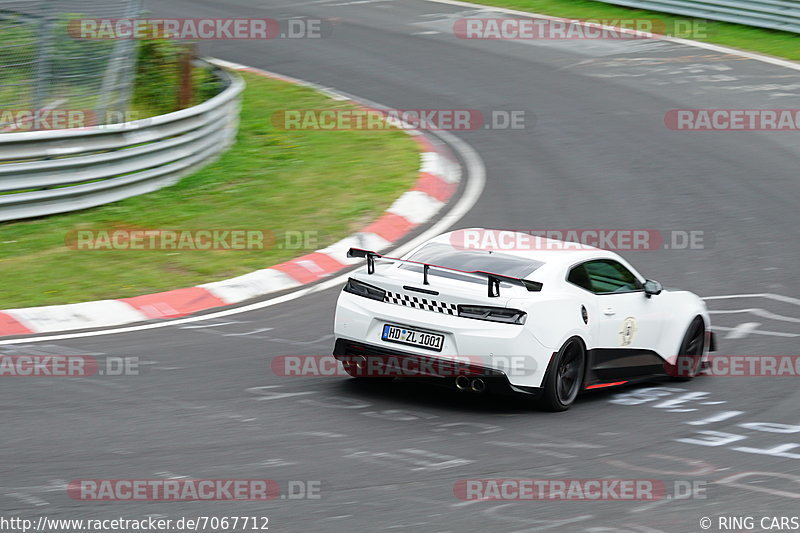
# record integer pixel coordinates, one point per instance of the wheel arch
(684, 309)
(552, 361)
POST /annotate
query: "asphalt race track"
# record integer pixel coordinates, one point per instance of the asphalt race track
(595, 153)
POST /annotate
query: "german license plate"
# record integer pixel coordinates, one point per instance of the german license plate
(413, 337)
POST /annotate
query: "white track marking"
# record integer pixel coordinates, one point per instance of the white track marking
(733, 481)
(531, 448)
(742, 330)
(415, 206)
(213, 325)
(719, 417)
(776, 297)
(52, 318)
(411, 459)
(758, 332)
(700, 468)
(29, 499)
(433, 163)
(745, 329)
(250, 285)
(763, 313)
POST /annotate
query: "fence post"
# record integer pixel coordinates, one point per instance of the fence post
(126, 90)
(186, 92)
(118, 78)
(43, 77)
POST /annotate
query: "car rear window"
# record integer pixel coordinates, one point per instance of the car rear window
(444, 255)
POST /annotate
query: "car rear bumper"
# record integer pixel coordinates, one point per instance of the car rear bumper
(379, 361)
(509, 348)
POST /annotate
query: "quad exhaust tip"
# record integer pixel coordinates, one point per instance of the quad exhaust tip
(462, 383)
(478, 385)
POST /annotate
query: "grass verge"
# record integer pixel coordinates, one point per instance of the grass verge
(772, 42)
(326, 183)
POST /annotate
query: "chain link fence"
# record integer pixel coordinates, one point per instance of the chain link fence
(43, 66)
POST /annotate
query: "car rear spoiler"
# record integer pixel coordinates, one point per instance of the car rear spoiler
(493, 280)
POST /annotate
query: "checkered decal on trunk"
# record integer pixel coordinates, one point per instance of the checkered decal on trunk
(420, 303)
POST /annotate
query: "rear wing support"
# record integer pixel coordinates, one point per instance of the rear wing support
(492, 280)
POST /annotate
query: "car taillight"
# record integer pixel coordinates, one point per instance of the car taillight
(493, 314)
(353, 286)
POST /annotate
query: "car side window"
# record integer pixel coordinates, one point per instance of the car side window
(578, 276)
(609, 276)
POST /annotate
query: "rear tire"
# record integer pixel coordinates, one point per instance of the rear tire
(690, 354)
(565, 377)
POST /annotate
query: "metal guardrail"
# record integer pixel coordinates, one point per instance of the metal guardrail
(773, 14)
(47, 172)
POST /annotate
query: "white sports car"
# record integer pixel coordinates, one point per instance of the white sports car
(548, 319)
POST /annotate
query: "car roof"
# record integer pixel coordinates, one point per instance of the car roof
(557, 256)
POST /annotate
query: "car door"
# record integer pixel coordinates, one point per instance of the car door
(627, 324)
(626, 320)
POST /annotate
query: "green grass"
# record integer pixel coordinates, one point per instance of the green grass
(330, 183)
(775, 43)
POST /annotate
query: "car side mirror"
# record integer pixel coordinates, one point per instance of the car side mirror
(652, 288)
